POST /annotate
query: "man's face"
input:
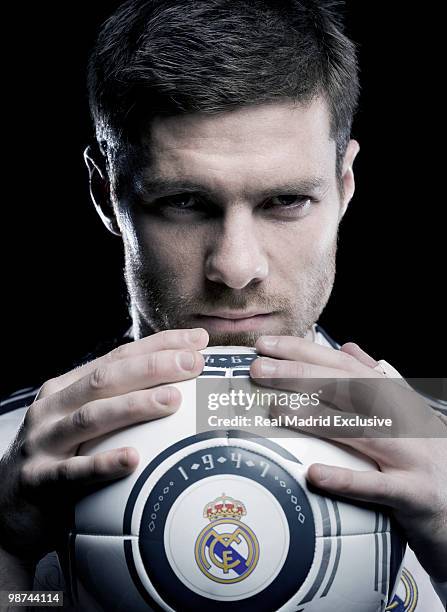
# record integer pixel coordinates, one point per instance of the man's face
(234, 227)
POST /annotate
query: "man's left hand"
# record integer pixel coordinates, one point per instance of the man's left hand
(412, 475)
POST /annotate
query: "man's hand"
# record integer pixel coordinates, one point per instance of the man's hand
(41, 474)
(412, 479)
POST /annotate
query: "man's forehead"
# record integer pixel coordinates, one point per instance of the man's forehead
(274, 141)
(243, 125)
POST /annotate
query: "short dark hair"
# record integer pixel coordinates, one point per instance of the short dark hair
(168, 57)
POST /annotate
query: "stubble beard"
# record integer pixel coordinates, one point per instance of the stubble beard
(157, 301)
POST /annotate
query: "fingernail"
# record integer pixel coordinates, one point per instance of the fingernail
(323, 473)
(163, 396)
(186, 360)
(270, 341)
(268, 367)
(194, 335)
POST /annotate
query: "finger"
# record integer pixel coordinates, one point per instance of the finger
(84, 470)
(369, 486)
(265, 370)
(371, 446)
(170, 339)
(326, 384)
(301, 377)
(350, 348)
(386, 451)
(118, 378)
(103, 416)
(299, 349)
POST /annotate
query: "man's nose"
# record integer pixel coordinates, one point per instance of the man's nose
(237, 258)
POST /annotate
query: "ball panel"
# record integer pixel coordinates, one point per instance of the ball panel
(103, 580)
(350, 582)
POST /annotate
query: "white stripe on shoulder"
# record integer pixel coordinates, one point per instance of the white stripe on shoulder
(321, 339)
(24, 390)
(16, 398)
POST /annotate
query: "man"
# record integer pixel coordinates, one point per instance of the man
(224, 163)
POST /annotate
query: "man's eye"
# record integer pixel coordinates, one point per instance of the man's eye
(289, 202)
(181, 202)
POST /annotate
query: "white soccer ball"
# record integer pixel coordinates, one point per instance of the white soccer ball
(225, 521)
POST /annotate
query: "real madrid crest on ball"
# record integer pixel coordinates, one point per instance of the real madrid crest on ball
(227, 544)
(224, 520)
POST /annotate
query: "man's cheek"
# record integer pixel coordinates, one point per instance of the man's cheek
(164, 263)
(320, 239)
(155, 249)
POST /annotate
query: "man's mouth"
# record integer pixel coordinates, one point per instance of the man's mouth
(233, 320)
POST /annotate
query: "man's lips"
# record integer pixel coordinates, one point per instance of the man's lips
(235, 314)
(227, 321)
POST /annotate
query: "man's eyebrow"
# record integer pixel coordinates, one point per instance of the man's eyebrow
(301, 186)
(159, 186)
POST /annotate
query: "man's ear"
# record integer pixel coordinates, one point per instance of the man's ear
(100, 187)
(348, 182)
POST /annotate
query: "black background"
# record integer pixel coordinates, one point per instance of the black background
(62, 287)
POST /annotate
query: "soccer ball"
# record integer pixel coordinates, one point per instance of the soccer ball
(224, 520)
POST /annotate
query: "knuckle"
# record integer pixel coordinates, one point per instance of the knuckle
(31, 418)
(82, 419)
(165, 337)
(118, 353)
(28, 476)
(300, 370)
(97, 380)
(63, 472)
(48, 388)
(152, 365)
(134, 406)
(378, 446)
(28, 446)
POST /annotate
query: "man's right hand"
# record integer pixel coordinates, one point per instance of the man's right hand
(41, 474)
